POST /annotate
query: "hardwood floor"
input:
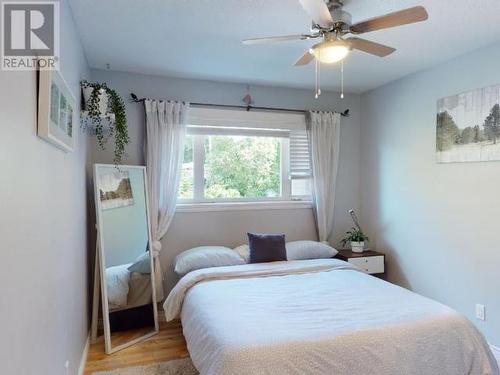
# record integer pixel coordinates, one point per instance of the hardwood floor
(168, 344)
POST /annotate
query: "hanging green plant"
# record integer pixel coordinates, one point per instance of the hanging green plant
(103, 106)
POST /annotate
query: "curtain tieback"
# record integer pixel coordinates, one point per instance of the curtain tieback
(156, 248)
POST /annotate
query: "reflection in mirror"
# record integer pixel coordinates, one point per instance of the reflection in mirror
(126, 277)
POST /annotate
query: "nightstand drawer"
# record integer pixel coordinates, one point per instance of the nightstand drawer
(370, 265)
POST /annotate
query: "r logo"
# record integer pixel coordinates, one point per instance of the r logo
(36, 21)
(30, 29)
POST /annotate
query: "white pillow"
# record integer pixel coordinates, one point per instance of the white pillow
(297, 250)
(205, 257)
(142, 264)
(244, 252)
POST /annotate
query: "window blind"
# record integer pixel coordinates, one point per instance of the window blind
(300, 156)
(241, 131)
(230, 118)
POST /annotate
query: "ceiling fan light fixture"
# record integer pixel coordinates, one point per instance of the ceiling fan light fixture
(331, 52)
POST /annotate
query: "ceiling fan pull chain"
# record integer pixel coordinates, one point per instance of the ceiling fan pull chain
(342, 79)
(319, 78)
(317, 92)
(316, 79)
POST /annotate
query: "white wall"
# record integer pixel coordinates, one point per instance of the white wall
(438, 223)
(229, 228)
(43, 228)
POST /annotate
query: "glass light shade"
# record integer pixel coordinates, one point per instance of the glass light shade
(330, 52)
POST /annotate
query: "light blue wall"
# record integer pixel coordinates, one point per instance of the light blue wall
(124, 229)
(438, 223)
(43, 227)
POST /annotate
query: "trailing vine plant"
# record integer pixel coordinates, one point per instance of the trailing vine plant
(117, 127)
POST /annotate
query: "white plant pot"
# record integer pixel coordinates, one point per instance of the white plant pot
(103, 99)
(357, 247)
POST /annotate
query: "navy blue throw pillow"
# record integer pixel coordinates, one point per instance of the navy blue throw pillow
(266, 247)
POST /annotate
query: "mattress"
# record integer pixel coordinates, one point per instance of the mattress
(137, 293)
(140, 292)
(319, 317)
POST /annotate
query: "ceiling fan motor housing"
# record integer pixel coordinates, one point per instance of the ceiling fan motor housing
(341, 21)
(338, 14)
(341, 18)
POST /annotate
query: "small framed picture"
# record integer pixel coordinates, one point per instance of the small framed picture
(115, 190)
(56, 110)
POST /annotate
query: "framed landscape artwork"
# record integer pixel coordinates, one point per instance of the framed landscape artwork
(115, 190)
(468, 126)
(56, 111)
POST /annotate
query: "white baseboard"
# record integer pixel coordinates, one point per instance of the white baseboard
(83, 359)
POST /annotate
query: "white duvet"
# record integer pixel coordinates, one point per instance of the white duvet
(319, 317)
(117, 285)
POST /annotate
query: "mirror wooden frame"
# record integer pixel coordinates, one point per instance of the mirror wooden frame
(100, 269)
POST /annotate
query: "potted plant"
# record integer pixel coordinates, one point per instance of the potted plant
(95, 95)
(103, 106)
(356, 238)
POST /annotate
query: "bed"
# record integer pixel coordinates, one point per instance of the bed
(127, 289)
(319, 316)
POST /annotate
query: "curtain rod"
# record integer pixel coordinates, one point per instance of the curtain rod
(135, 99)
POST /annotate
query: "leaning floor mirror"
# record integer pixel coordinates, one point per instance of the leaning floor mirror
(125, 264)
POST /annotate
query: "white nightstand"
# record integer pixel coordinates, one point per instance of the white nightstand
(369, 261)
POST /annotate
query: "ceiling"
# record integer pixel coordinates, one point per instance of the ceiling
(202, 39)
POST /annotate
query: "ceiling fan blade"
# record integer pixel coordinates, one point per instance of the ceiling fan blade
(368, 46)
(318, 11)
(402, 17)
(305, 59)
(273, 39)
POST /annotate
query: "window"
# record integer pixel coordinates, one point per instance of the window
(243, 163)
(187, 174)
(242, 167)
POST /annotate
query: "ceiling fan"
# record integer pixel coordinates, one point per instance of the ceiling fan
(332, 23)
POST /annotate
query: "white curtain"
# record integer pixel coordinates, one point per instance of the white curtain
(324, 134)
(165, 133)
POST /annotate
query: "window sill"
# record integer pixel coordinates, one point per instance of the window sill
(243, 206)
